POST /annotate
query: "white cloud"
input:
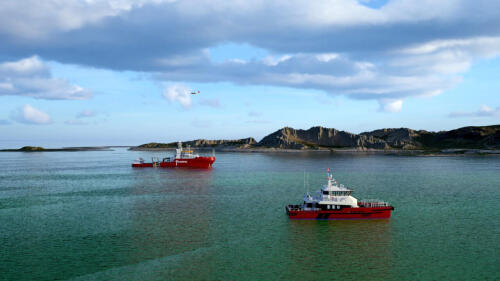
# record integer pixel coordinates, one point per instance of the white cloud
(483, 111)
(390, 105)
(29, 67)
(30, 115)
(86, 114)
(326, 57)
(31, 77)
(337, 76)
(178, 93)
(273, 61)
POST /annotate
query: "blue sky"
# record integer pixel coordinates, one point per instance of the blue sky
(120, 73)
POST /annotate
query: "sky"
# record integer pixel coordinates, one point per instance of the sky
(121, 72)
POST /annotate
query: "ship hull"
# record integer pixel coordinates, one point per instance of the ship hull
(344, 214)
(198, 162)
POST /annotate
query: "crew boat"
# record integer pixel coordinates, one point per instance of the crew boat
(182, 158)
(334, 202)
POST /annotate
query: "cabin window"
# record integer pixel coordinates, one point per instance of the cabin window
(325, 192)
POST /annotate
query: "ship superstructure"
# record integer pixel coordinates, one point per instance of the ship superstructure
(334, 201)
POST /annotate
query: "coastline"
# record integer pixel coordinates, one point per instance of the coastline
(419, 152)
(63, 149)
(229, 149)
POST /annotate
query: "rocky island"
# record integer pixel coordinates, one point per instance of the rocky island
(480, 139)
(69, 149)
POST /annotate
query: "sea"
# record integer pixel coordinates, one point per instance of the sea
(90, 216)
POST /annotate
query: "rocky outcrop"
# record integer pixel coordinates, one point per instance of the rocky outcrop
(402, 138)
(239, 143)
(317, 137)
(211, 143)
(485, 137)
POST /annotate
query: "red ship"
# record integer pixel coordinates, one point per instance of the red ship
(334, 202)
(183, 158)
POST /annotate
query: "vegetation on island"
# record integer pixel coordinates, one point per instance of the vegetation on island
(31, 148)
(317, 138)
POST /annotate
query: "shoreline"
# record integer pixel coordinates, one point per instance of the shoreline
(399, 152)
(63, 149)
(419, 152)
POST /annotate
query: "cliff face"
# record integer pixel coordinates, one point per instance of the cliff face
(318, 137)
(486, 137)
(402, 138)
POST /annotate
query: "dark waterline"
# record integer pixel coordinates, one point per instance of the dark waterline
(89, 216)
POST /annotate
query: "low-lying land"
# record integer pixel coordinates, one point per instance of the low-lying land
(41, 149)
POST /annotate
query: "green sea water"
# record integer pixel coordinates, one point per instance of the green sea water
(90, 216)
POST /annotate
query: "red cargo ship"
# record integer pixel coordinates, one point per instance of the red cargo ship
(183, 158)
(334, 202)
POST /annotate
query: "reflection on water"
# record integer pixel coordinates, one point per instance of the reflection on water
(171, 212)
(341, 248)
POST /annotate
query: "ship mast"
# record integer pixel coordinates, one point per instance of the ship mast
(178, 151)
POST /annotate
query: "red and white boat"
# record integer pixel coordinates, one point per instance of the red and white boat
(334, 202)
(183, 158)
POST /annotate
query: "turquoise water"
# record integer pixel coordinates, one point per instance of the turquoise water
(90, 216)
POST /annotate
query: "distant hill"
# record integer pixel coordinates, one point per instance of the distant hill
(239, 143)
(485, 137)
(481, 137)
(317, 137)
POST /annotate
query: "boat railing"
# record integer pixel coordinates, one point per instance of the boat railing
(372, 203)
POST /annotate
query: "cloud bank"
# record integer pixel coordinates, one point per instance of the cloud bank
(31, 77)
(405, 48)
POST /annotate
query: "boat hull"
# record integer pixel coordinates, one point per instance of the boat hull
(344, 214)
(198, 162)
